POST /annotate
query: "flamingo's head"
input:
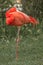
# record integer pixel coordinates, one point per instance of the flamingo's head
(9, 16)
(9, 19)
(13, 9)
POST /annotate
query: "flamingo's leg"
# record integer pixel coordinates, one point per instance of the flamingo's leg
(18, 34)
(17, 42)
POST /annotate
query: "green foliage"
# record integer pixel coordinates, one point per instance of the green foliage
(31, 44)
(33, 7)
(30, 51)
(30, 8)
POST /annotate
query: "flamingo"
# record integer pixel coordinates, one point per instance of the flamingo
(18, 18)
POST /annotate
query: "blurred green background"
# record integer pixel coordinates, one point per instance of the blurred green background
(31, 44)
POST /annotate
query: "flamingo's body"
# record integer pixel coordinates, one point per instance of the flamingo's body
(17, 18)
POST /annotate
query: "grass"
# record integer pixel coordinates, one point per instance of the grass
(30, 51)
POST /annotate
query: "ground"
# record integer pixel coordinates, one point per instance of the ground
(30, 51)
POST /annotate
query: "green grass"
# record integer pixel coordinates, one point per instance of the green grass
(30, 51)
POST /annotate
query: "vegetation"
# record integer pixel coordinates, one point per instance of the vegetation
(31, 44)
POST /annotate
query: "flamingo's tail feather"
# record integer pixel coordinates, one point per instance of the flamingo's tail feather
(33, 20)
